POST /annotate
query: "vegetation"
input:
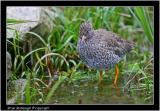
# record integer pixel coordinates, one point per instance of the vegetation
(58, 56)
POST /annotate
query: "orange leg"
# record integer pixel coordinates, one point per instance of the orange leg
(100, 76)
(116, 75)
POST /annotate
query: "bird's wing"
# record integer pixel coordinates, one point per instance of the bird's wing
(113, 42)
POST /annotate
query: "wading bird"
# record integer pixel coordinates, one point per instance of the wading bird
(101, 49)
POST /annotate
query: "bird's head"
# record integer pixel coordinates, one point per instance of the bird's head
(85, 31)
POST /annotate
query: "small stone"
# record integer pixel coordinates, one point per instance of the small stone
(73, 92)
(40, 100)
(55, 77)
(9, 65)
(76, 86)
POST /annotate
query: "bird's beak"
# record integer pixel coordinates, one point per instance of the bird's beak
(83, 38)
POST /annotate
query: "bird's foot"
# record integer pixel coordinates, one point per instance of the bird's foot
(117, 89)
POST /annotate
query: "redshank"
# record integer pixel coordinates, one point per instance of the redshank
(101, 49)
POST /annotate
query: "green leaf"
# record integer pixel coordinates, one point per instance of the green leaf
(143, 18)
(11, 21)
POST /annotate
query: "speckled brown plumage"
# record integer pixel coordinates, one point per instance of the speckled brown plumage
(101, 49)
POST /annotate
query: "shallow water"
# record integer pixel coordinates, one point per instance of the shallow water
(92, 92)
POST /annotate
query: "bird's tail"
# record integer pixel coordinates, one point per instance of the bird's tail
(130, 46)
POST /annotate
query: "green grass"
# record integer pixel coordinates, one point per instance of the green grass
(144, 20)
(60, 48)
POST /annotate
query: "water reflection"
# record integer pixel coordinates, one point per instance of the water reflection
(91, 92)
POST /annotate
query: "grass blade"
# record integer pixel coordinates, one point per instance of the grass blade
(55, 86)
(142, 17)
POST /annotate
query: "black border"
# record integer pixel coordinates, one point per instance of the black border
(155, 106)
